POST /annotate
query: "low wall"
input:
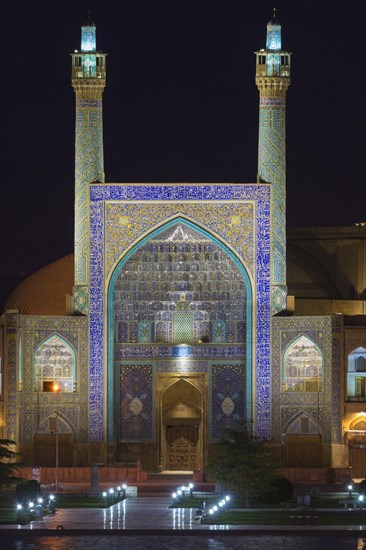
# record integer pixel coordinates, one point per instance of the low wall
(107, 474)
(316, 475)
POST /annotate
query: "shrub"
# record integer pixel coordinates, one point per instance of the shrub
(28, 490)
(282, 490)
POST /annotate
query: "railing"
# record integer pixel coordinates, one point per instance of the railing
(356, 398)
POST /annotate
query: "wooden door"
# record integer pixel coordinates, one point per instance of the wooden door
(181, 448)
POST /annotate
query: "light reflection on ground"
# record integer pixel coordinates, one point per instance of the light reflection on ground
(196, 542)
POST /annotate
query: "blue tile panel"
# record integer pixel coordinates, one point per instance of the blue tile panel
(227, 398)
(136, 394)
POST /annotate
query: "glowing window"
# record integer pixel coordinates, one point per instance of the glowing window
(55, 362)
(273, 41)
(356, 375)
(302, 367)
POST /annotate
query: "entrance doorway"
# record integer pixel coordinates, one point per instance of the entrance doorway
(182, 447)
(181, 425)
(304, 451)
(44, 453)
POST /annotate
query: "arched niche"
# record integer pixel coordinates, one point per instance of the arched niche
(181, 426)
(302, 367)
(55, 361)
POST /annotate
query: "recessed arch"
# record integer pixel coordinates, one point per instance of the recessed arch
(150, 322)
(181, 426)
(63, 422)
(55, 361)
(181, 400)
(302, 366)
(295, 425)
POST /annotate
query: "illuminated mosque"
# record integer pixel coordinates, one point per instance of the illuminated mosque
(186, 309)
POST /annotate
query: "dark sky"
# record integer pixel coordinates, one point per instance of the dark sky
(180, 105)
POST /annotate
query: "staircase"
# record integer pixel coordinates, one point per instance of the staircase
(166, 483)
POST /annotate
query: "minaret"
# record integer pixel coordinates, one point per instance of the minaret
(273, 79)
(88, 81)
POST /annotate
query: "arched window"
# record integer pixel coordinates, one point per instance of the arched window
(356, 375)
(302, 367)
(55, 362)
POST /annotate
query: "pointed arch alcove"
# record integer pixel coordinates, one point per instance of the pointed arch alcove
(179, 302)
(55, 361)
(181, 426)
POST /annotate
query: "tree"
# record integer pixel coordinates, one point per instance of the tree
(8, 467)
(243, 463)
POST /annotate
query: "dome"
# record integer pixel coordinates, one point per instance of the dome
(44, 292)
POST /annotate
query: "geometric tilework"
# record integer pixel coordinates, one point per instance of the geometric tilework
(55, 362)
(179, 291)
(72, 405)
(80, 300)
(227, 402)
(215, 210)
(89, 167)
(12, 364)
(272, 169)
(321, 404)
(136, 417)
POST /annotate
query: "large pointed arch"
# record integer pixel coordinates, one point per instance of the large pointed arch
(175, 221)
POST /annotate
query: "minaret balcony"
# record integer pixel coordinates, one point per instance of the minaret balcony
(262, 71)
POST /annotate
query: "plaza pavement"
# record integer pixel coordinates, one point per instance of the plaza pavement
(137, 515)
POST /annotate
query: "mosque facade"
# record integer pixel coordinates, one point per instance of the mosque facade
(173, 320)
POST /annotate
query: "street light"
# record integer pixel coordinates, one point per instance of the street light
(360, 501)
(56, 390)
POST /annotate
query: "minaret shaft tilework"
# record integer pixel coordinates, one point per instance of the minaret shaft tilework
(273, 79)
(88, 81)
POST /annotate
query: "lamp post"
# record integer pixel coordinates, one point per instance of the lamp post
(56, 390)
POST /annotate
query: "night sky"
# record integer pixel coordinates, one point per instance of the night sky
(180, 105)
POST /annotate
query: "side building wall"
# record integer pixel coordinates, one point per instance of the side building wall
(307, 390)
(40, 350)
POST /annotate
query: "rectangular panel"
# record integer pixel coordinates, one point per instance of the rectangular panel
(227, 398)
(136, 394)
